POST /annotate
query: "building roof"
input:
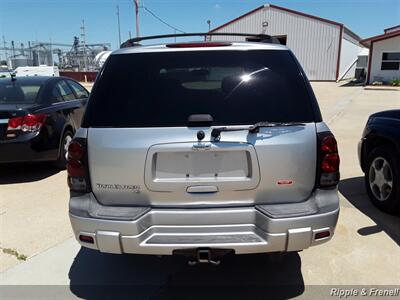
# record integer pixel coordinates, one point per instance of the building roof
(351, 33)
(367, 42)
(238, 18)
(304, 14)
(391, 29)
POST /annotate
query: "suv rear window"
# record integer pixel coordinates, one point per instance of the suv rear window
(163, 89)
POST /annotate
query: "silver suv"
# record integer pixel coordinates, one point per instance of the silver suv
(201, 149)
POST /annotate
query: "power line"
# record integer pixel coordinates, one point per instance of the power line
(161, 20)
(119, 26)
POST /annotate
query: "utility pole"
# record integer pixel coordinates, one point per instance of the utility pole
(119, 27)
(83, 41)
(5, 48)
(13, 48)
(137, 3)
(51, 52)
(208, 37)
(30, 50)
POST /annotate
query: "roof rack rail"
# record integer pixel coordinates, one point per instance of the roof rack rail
(263, 38)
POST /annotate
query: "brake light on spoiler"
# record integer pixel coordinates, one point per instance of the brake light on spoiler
(198, 45)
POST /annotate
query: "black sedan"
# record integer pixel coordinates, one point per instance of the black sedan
(38, 118)
(379, 152)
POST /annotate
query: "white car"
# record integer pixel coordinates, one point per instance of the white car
(37, 71)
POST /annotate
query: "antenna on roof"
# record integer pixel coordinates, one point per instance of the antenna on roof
(12, 75)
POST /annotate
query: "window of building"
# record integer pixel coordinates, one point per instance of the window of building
(281, 38)
(390, 61)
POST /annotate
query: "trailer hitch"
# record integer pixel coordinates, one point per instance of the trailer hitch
(204, 255)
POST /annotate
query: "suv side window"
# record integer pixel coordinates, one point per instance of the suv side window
(66, 91)
(78, 89)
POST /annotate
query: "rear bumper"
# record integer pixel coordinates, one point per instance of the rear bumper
(160, 231)
(27, 148)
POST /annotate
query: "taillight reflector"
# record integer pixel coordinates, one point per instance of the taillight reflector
(15, 123)
(86, 239)
(78, 178)
(28, 123)
(198, 45)
(75, 150)
(329, 144)
(75, 168)
(322, 234)
(329, 161)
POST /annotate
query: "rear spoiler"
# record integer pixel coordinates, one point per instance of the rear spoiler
(262, 38)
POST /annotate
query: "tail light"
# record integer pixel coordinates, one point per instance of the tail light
(328, 174)
(28, 123)
(78, 173)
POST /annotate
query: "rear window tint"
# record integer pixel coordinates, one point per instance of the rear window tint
(164, 89)
(16, 92)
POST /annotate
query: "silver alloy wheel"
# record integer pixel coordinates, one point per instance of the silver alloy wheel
(381, 179)
(67, 141)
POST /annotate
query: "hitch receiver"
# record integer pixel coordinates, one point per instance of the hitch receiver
(204, 255)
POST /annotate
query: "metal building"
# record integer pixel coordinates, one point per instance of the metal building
(326, 49)
(384, 56)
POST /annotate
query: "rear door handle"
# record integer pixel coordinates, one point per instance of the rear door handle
(202, 189)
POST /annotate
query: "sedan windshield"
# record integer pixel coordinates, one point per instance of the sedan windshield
(18, 92)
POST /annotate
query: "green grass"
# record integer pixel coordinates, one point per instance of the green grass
(395, 82)
(15, 253)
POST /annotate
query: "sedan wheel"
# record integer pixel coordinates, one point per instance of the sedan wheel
(382, 178)
(63, 157)
(67, 141)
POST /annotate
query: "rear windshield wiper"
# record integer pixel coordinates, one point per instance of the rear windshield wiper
(255, 128)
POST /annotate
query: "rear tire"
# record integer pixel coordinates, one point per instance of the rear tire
(62, 159)
(382, 179)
